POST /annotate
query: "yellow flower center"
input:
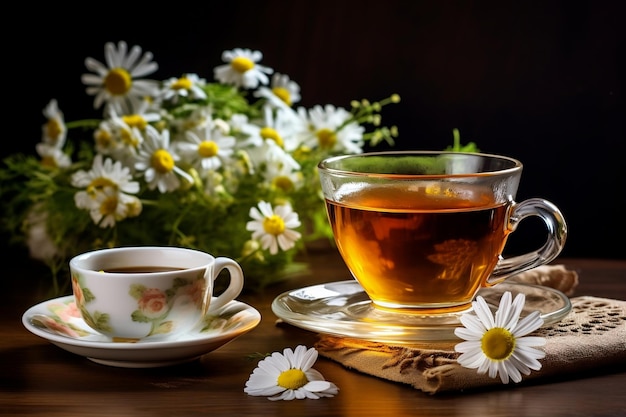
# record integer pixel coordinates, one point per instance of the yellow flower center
(103, 138)
(498, 343)
(98, 184)
(133, 208)
(128, 138)
(241, 64)
(53, 129)
(274, 225)
(48, 162)
(162, 161)
(118, 81)
(272, 134)
(292, 379)
(108, 206)
(183, 83)
(326, 138)
(283, 183)
(302, 152)
(283, 94)
(135, 120)
(207, 149)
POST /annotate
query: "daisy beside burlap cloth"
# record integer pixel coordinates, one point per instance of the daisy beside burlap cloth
(591, 336)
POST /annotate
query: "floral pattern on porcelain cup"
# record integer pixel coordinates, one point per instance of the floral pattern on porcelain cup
(153, 304)
(130, 293)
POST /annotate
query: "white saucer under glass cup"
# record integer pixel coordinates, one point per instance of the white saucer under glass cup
(422, 232)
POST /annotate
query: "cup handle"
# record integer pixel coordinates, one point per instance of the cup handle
(557, 233)
(234, 287)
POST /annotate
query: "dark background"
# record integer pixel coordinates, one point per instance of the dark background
(541, 81)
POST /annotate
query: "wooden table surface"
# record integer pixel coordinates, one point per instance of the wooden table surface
(41, 379)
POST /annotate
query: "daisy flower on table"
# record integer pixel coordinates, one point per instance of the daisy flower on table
(116, 84)
(289, 376)
(500, 345)
(189, 85)
(274, 227)
(158, 160)
(330, 128)
(282, 91)
(54, 130)
(242, 69)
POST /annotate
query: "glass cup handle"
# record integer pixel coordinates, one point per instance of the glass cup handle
(557, 233)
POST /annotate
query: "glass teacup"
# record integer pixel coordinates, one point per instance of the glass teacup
(423, 231)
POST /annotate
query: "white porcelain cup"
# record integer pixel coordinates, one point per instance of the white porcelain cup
(130, 293)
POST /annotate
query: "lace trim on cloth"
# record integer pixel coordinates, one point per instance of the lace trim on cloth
(592, 336)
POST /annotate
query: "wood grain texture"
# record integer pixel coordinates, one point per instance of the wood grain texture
(40, 379)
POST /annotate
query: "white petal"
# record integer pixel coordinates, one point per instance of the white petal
(483, 312)
(499, 368)
(528, 324)
(475, 327)
(472, 359)
(468, 346)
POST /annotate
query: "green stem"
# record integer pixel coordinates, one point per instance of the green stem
(456, 147)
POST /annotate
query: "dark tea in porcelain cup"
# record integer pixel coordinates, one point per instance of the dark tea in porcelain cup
(130, 293)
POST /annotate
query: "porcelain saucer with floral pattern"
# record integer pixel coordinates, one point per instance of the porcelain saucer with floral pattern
(58, 321)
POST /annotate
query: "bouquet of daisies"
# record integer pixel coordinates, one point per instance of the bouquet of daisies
(227, 167)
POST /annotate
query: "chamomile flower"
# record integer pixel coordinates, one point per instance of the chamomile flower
(198, 118)
(106, 195)
(501, 345)
(140, 117)
(39, 242)
(54, 130)
(273, 227)
(282, 177)
(105, 138)
(158, 162)
(105, 173)
(329, 128)
(242, 69)
(282, 92)
(207, 148)
(289, 376)
(121, 135)
(117, 83)
(108, 205)
(52, 156)
(189, 85)
(277, 128)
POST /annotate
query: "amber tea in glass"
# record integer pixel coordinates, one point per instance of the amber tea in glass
(424, 231)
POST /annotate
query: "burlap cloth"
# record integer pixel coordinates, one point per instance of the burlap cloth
(590, 337)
